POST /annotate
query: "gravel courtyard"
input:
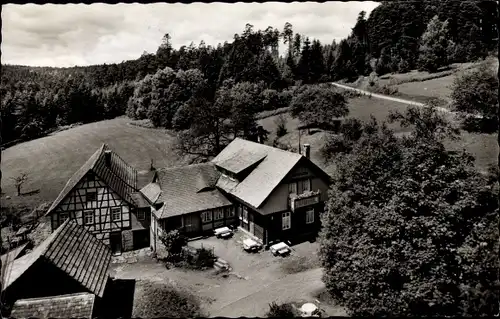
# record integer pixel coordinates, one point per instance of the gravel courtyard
(255, 280)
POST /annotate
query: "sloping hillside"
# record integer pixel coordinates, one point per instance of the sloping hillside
(50, 161)
(483, 147)
(421, 86)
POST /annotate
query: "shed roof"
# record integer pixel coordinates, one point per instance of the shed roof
(73, 250)
(119, 176)
(189, 189)
(152, 192)
(79, 305)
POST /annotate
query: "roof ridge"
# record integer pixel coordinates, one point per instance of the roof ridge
(76, 294)
(184, 166)
(105, 147)
(268, 146)
(99, 151)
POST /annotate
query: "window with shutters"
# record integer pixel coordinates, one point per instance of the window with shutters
(206, 216)
(245, 214)
(304, 186)
(116, 214)
(88, 217)
(219, 214)
(286, 222)
(310, 216)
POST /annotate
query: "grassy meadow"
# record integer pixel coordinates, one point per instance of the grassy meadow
(483, 147)
(50, 161)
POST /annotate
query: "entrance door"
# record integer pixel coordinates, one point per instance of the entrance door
(115, 241)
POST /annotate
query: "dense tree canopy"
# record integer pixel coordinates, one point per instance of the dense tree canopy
(37, 100)
(411, 228)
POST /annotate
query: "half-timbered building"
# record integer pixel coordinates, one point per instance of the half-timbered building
(102, 196)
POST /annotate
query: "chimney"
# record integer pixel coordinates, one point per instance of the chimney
(307, 150)
(107, 158)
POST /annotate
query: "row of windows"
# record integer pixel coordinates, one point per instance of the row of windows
(286, 219)
(89, 216)
(217, 214)
(300, 187)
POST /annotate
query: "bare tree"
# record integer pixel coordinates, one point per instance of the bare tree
(19, 181)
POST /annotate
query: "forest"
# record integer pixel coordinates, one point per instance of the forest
(197, 88)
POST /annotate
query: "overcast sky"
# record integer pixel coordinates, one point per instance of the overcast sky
(78, 34)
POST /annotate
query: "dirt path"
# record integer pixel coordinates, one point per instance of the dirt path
(390, 98)
(291, 288)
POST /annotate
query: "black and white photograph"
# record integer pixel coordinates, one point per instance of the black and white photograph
(250, 159)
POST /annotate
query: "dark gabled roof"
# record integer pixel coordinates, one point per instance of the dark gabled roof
(73, 250)
(270, 166)
(79, 305)
(189, 189)
(119, 176)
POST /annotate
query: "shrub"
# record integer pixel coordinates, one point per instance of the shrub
(284, 310)
(295, 265)
(280, 123)
(372, 79)
(161, 300)
(386, 89)
(196, 258)
(173, 242)
(403, 66)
